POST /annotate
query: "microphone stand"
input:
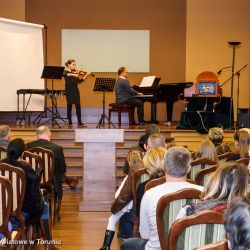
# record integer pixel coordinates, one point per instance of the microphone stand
(231, 100)
(227, 67)
(234, 45)
(238, 92)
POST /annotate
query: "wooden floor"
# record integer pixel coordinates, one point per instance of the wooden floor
(80, 230)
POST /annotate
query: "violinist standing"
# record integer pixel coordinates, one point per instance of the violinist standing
(72, 78)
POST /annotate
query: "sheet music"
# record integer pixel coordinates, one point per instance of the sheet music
(147, 81)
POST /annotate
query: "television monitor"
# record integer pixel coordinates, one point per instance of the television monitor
(207, 88)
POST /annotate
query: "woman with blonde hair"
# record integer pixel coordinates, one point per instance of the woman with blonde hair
(123, 198)
(242, 145)
(152, 162)
(230, 180)
(216, 136)
(207, 150)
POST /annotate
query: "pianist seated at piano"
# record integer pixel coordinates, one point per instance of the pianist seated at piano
(126, 95)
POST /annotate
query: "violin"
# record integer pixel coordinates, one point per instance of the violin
(81, 72)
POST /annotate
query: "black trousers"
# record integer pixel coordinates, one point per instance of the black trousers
(78, 112)
(135, 103)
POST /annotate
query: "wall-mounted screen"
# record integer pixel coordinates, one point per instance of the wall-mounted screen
(107, 50)
(21, 63)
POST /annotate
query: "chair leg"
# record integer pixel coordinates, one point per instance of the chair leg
(110, 114)
(58, 211)
(30, 236)
(119, 118)
(52, 204)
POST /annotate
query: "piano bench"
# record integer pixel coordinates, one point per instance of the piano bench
(119, 108)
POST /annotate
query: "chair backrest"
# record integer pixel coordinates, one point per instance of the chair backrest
(223, 158)
(3, 152)
(138, 177)
(196, 230)
(6, 197)
(35, 162)
(202, 175)
(220, 245)
(18, 180)
(48, 159)
(155, 182)
(244, 161)
(193, 154)
(199, 164)
(159, 181)
(168, 208)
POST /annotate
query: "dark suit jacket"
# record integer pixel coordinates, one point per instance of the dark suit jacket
(60, 165)
(123, 90)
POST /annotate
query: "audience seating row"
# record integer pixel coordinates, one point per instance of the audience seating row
(39, 159)
(186, 233)
(13, 183)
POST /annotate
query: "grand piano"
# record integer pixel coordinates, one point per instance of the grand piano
(164, 92)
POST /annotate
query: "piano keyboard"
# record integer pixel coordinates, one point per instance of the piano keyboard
(145, 96)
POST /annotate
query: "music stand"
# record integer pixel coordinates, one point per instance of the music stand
(104, 85)
(53, 72)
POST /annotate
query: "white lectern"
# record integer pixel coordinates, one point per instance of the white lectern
(99, 180)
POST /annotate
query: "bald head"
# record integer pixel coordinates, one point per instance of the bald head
(43, 132)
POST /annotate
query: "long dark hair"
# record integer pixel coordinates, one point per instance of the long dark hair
(237, 223)
(15, 149)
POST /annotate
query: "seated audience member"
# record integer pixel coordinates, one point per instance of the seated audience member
(155, 140)
(35, 209)
(245, 129)
(242, 144)
(249, 163)
(4, 135)
(123, 202)
(216, 136)
(152, 129)
(230, 180)
(152, 162)
(237, 223)
(206, 150)
(43, 135)
(176, 164)
(149, 130)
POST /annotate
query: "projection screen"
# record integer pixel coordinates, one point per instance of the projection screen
(107, 50)
(21, 63)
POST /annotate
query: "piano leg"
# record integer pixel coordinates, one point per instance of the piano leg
(169, 107)
(154, 112)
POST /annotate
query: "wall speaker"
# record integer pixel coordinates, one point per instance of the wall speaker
(243, 116)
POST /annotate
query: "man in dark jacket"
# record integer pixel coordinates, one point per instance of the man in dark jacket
(43, 135)
(125, 94)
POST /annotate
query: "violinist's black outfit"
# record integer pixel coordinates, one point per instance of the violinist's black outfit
(72, 96)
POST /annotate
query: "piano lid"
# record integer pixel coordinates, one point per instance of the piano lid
(148, 89)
